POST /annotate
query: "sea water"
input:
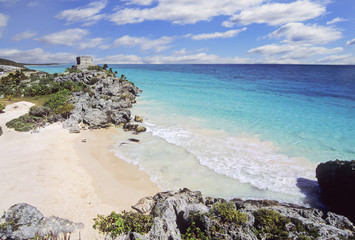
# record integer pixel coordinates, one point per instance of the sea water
(248, 131)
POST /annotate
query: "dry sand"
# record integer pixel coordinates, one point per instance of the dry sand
(64, 176)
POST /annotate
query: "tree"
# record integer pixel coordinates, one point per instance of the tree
(105, 66)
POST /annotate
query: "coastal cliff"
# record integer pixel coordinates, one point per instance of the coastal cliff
(188, 215)
(337, 182)
(89, 97)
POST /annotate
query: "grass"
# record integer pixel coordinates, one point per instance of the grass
(35, 100)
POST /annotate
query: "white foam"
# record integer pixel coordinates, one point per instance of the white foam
(247, 160)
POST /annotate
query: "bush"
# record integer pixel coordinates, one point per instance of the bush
(271, 222)
(2, 107)
(24, 123)
(227, 212)
(116, 224)
(57, 99)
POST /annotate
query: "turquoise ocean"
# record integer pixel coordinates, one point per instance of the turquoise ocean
(247, 131)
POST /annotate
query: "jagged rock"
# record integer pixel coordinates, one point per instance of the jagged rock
(138, 119)
(23, 221)
(337, 182)
(164, 228)
(140, 129)
(173, 213)
(144, 205)
(95, 118)
(130, 127)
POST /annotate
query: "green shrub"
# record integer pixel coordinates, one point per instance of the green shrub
(57, 99)
(227, 212)
(2, 107)
(271, 222)
(96, 68)
(116, 224)
(24, 123)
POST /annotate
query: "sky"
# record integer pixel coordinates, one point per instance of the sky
(179, 31)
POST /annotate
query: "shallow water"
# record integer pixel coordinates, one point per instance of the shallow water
(250, 131)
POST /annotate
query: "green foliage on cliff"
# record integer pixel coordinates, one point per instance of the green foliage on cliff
(2, 107)
(116, 224)
(227, 213)
(272, 225)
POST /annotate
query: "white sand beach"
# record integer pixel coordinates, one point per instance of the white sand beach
(64, 176)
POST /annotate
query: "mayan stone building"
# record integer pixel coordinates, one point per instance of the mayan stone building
(83, 62)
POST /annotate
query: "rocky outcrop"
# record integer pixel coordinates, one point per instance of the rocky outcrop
(23, 221)
(186, 214)
(337, 182)
(106, 101)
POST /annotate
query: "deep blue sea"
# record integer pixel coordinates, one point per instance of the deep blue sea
(249, 131)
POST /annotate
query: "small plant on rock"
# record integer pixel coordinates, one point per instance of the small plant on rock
(116, 224)
(227, 213)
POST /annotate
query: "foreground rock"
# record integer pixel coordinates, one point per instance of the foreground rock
(337, 182)
(23, 221)
(187, 215)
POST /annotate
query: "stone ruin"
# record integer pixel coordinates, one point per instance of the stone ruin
(83, 62)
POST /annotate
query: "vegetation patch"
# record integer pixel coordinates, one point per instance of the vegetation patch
(24, 123)
(116, 224)
(227, 213)
(272, 225)
(2, 107)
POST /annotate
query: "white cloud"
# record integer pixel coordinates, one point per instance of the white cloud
(338, 59)
(298, 32)
(277, 13)
(92, 43)
(201, 58)
(227, 34)
(182, 56)
(351, 42)
(181, 11)
(33, 4)
(67, 37)
(335, 20)
(88, 14)
(145, 44)
(23, 35)
(139, 2)
(120, 59)
(293, 51)
(3, 20)
(9, 3)
(37, 55)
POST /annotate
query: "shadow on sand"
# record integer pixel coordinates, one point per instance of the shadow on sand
(311, 190)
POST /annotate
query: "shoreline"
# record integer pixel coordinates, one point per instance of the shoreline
(60, 175)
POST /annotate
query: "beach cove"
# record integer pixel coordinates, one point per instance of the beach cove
(64, 175)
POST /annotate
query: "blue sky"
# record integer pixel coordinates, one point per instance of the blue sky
(179, 31)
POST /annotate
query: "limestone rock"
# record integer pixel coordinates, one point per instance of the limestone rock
(95, 118)
(140, 129)
(337, 182)
(23, 221)
(138, 119)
